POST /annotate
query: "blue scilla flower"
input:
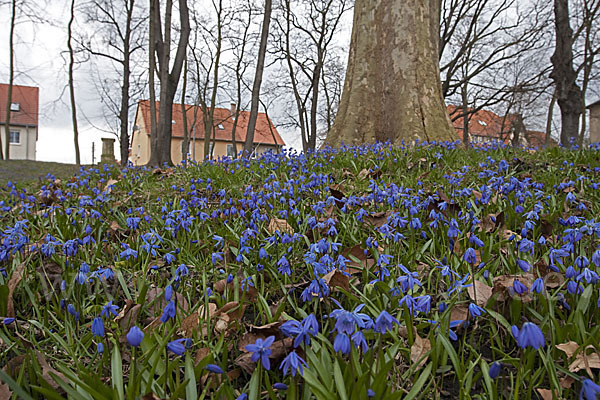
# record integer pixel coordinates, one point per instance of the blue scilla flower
(385, 322)
(453, 230)
(475, 311)
(168, 292)
(495, 369)
(524, 265)
(589, 390)
(345, 321)
(574, 287)
(128, 252)
(570, 273)
(303, 331)
(261, 351)
(470, 256)
(359, 341)
(262, 253)
(538, 286)
(476, 241)
(182, 270)
(518, 287)
(100, 348)
(178, 346)
(293, 363)
(98, 327)
(283, 266)
(170, 311)
(342, 343)
(280, 386)
(135, 336)
(530, 335)
(370, 393)
(109, 308)
(214, 369)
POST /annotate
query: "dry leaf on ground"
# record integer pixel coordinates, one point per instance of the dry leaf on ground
(419, 350)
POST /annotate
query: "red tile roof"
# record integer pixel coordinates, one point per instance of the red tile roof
(263, 133)
(482, 123)
(27, 97)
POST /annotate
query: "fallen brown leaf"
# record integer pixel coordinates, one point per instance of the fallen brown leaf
(419, 350)
(547, 394)
(482, 291)
(337, 279)
(14, 280)
(128, 315)
(281, 225)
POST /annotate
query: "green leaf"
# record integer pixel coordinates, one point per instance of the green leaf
(416, 389)
(117, 372)
(339, 381)
(584, 299)
(18, 390)
(191, 391)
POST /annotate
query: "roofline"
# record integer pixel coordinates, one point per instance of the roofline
(2, 123)
(597, 102)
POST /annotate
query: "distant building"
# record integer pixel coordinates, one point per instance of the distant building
(594, 121)
(266, 136)
(23, 120)
(485, 126)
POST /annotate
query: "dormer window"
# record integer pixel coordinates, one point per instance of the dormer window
(221, 127)
(15, 107)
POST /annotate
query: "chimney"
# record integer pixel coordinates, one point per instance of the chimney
(233, 109)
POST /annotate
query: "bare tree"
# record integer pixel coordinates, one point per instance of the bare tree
(262, 51)
(119, 35)
(169, 79)
(568, 93)
(72, 84)
(305, 32)
(11, 77)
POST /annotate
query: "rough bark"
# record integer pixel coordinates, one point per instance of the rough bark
(392, 90)
(72, 85)
(262, 50)
(568, 93)
(161, 148)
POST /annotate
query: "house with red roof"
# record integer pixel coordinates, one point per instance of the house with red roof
(23, 120)
(266, 136)
(485, 126)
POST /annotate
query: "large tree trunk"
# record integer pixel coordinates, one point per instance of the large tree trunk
(568, 94)
(185, 143)
(161, 148)
(151, 72)
(260, 64)
(72, 84)
(392, 90)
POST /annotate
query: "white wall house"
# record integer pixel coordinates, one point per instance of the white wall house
(23, 120)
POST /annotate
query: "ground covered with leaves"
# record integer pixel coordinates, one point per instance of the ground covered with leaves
(366, 272)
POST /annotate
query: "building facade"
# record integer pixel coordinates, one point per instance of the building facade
(594, 110)
(23, 120)
(266, 136)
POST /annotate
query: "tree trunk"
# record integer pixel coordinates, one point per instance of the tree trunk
(568, 94)
(465, 106)
(549, 120)
(151, 72)
(209, 112)
(11, 77)
(161, 149)
(392, 90)
(185, 144)
(260, 64)
(124, 109)
(72, 85)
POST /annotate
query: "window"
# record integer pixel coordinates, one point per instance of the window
(15, 107)
(221, 127)
(230, 150)
(210, 149)
(139, 150)
(482, 123)
(15, 137)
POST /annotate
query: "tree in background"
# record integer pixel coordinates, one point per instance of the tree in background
(72, 84)
(392, 90)
(160, 151)
(262, 51)
(118, 35)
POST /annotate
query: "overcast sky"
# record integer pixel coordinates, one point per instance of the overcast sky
(40, 61)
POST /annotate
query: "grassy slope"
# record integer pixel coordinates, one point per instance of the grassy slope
(24, 171)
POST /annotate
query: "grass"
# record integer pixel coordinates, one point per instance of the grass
(27, 171)
(367, 271)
